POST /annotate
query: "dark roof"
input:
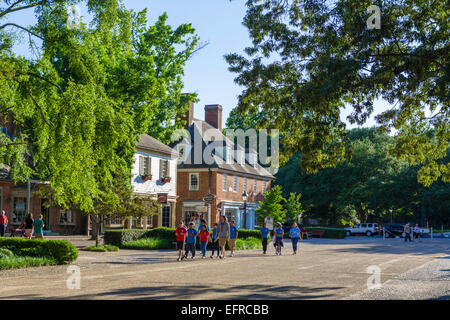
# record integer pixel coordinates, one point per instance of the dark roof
(151, 144)
(208, 133)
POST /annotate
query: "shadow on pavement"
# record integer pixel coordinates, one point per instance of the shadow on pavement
(191, 292)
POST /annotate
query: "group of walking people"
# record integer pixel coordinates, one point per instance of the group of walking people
(415, 230)
(30, 226)
(223, 233)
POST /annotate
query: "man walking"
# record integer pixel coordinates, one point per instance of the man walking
(407, 232)
(38, 228)
(264, 236)
(224, 235)
(3, 223)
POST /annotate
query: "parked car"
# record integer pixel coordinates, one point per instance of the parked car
(369, 229)
(396, 230)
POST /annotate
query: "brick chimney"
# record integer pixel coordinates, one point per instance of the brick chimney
(188, 116)
(213, 115)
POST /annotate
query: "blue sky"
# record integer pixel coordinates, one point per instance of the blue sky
(218, 22)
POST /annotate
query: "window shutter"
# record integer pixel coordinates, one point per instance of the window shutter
(141, 165)
(161, 168)
(168, 168)
(149, 165)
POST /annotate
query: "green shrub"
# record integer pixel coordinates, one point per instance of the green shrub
(61, 251)
(5, 253)
(101, 248)
(25, 261)
(149, 244)
(244, 234)
(120, 236)
(248, 244)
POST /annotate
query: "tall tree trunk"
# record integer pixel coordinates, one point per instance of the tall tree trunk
(98, 227)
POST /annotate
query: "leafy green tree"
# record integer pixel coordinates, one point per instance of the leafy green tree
(80, 105)
(311, 58)
(272, 206)
(294, 208)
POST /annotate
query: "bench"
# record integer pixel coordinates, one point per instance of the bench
(318, 233)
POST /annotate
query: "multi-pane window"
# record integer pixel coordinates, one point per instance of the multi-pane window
(164, 169)
(145, 165)
(224, 183)
(166, 216)
(264, 187)
(255, 187)
(193, 181)
(65, 216)
(19, 209)
(245, 185)
(235, 183)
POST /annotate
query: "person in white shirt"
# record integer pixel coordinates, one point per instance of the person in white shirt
(416, 233)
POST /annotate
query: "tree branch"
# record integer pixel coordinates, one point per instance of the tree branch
(20, 27)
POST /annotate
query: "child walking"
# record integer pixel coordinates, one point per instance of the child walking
(191, 240)
(204, 233)
(181, 237)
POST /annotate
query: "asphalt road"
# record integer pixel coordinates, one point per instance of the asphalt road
(324, 269)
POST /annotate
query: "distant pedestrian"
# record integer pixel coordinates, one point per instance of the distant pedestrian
(204, 233)
(224, 235)
(233, 237)
(3, 223)
(215, 241)
(181, 237)
(416, 232)
(264, 236)
(38, 227)
(296, 235)
(191, 240)
(407, 232)
(278, 234)
(29, 226)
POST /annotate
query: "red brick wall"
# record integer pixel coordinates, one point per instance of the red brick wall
(216, 188)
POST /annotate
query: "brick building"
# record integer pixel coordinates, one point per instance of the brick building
(210, 163)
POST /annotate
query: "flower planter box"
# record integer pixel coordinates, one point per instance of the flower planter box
(166, 180)
(146, 178)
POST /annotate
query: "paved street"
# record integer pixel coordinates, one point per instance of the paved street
(325, 269)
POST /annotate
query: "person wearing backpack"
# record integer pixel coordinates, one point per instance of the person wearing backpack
(215, 241)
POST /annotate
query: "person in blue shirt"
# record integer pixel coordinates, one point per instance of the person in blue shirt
(264, 236)
(191, 240)
(233, 237)
(296, 235)
(215, 241)
(278, 233)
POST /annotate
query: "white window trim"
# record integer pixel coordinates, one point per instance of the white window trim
(235, 184)
(198, 182)
(255, 186)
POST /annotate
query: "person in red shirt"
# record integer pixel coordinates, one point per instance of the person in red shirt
(3, 223)
(181, 237)
(204, 233)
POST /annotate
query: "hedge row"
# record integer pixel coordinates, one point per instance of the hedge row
(118, 237)
(61, 250)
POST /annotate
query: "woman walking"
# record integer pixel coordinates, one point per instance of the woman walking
(278, 233)
(296, 235)
(29, 226)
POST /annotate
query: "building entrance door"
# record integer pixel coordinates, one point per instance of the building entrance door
(45, 211)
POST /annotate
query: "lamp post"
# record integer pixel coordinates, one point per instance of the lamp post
(244, 198)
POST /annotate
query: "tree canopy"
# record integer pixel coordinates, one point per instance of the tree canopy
(80, 104)
(311, 58)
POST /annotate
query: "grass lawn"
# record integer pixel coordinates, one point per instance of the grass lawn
(101, 248)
